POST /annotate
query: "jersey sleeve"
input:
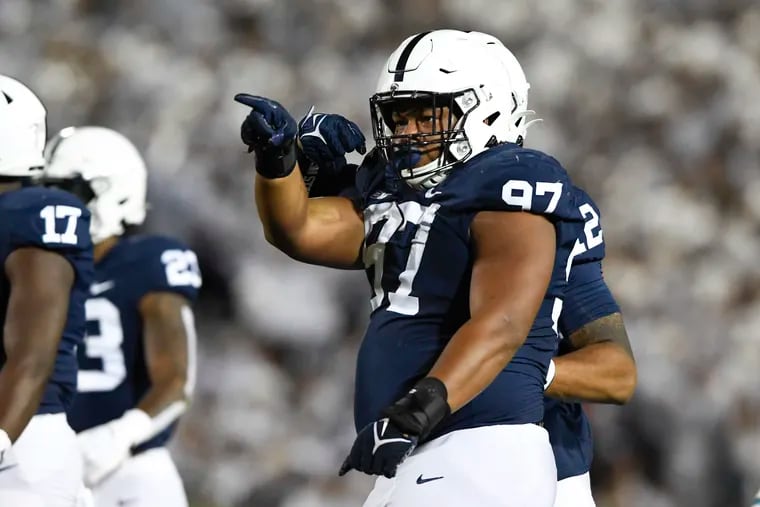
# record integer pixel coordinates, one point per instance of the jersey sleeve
(53, 220)
(587, 298)
(515, 179)
(593, 249)
(168, 265)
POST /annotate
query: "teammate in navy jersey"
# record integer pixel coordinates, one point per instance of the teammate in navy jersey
(137, 366)
(465, 237)
(46, 257)
(596, 362)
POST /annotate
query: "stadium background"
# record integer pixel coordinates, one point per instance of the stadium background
(653, 106)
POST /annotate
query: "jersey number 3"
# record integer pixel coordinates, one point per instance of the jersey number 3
(104, 344)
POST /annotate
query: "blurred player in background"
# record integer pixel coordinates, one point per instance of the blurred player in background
(137, 365)
(46, 256)
(466, 240)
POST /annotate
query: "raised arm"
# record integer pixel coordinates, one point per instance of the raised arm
(326, 231)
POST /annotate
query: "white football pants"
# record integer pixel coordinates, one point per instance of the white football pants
(491, 466)
(575, 492)
(49, 468)
(149, 479)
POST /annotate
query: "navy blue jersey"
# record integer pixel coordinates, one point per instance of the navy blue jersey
(418, 258)
(52, 220)
(113, 376)
(587, 299)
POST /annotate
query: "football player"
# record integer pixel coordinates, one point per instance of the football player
(466, 238)
(46, 256)
(137, 365)
(595, 361)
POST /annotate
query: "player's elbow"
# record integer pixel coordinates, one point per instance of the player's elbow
(172, 383)
(506, 333)
(285, 241)
(623, 389)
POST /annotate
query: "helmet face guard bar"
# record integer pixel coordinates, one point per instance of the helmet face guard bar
(402, 151)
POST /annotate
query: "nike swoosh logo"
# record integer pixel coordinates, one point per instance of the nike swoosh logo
(420, 479)
(430, 193)
(100, 288)
(6, 467)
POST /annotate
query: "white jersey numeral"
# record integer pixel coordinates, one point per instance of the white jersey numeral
(397, 217)
(593, 239)
(106, 346)
(181, 268)
(50, 214)
(520, 193)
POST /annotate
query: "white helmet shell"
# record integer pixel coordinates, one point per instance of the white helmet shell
(22, 130)
(112, 167)
(485, 80)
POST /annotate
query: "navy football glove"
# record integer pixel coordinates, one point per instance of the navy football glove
(326, 138)
(323, 141)
(381, 446)
(270, 131)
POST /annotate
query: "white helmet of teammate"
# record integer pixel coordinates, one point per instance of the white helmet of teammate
(105, 169)
(473, 75)
(22, 130)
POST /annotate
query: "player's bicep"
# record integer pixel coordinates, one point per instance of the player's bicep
(514, 260)
(40, 288)
(169, 338)
(333, 234)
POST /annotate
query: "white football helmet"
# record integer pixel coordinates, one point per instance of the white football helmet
(22, 130)
(106, 171)
(471, 73)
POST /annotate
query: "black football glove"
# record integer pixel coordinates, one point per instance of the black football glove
(323, 141)
(381, 446)
(270, 131)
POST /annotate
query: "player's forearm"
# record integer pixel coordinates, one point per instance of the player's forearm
(474, 357)
(600, 372)
(35, 318)
(163, 395)
(164, 404)
(282, 204)
(22, 384)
